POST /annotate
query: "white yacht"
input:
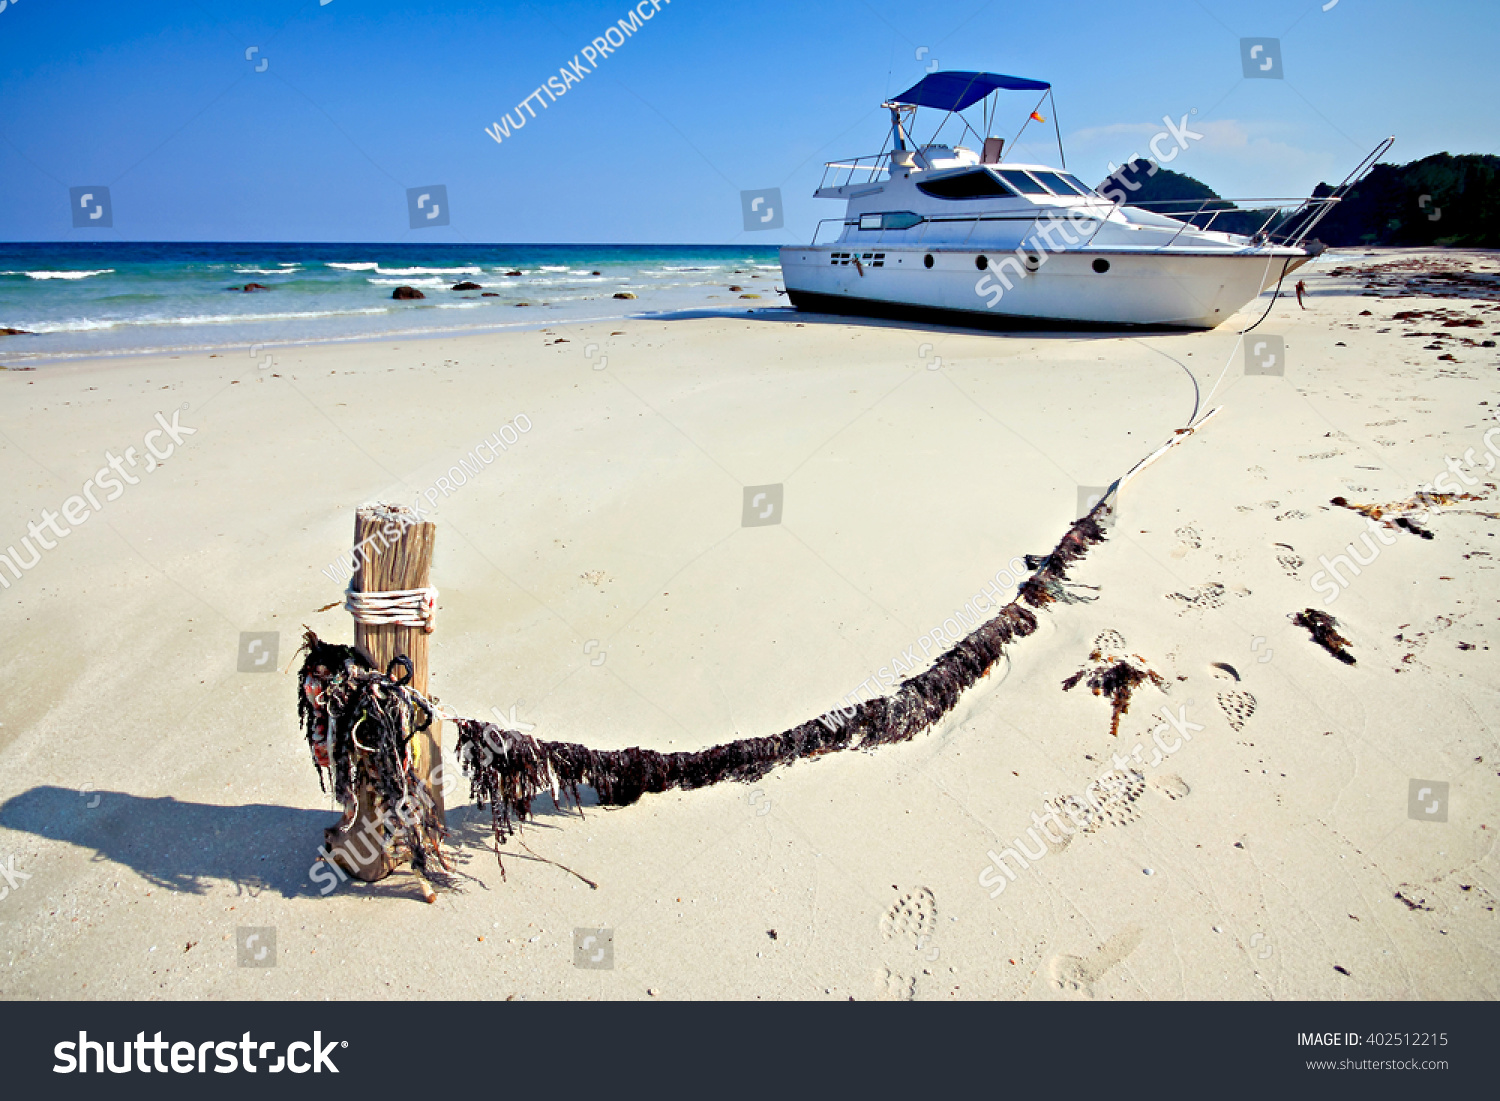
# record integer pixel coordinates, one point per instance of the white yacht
(950, 233)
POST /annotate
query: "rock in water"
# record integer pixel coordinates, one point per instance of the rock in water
(467, 286)
(624, 294)
(407, 292)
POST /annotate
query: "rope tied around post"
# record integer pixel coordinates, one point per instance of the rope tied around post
(401, 607)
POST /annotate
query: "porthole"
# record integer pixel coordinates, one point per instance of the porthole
(1033, 261)
(981, 262)
(927, 260)
(1101, 265)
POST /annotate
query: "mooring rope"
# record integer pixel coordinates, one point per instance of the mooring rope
(508, 769)
(402, 607)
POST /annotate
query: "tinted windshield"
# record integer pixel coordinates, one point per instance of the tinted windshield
(1059, 183)
(978, 184)
(1083, 188)
(1022, 182)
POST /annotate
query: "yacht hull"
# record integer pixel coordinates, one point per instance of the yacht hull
(1171, 289)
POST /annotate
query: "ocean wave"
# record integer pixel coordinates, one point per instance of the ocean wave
(431, 281)
(267, 271)
(59, 274)
(84, 324)
(362, 266)
(429, 271)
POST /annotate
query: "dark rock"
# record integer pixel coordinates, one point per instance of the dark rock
(489, 294)
(254, 287)
(407, 292)
(596, 273)
(512, 273)
(624, 294)
(467, 286)
(734, 288)
(15, 332)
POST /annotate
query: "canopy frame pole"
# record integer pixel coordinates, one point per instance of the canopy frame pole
(1057, 129)
(1034, 110)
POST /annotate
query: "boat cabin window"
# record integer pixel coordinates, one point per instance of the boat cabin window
(1022, 182)
(1060, 183)
(1082, 187)
(899, 219)
(966, 185)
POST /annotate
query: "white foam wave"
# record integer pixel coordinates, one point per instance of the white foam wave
(371, 266)
(59, 274)
(83, 325)
(267, 271)
(429, 271)
(431, 281)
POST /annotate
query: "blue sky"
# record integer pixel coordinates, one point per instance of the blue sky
(360, 99)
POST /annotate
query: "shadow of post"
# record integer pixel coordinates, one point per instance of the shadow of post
(176, 845)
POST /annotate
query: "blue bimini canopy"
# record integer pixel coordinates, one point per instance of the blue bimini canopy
(954, 91)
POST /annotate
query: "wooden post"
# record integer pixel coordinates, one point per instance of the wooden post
(392, 552)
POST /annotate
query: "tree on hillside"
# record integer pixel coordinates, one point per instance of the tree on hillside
(1438, 200)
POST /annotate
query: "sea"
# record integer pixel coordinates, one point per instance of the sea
(84, 299)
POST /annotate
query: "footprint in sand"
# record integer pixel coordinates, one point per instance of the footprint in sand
(910, 924)
(894, 987)
(1109, 643)
(1293, 514)
(1237, 706)
(1076, 976)
(1110, 802)
(1201, 598)
(1171, 786)
(912, 918)
(1289, 560)
(1191, 541)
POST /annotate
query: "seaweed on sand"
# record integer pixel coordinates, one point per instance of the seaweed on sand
(1324, 630)
(1115, 680)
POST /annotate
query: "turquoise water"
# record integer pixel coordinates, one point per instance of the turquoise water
(78, 300)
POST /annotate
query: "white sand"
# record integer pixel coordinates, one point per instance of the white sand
(1276, 852)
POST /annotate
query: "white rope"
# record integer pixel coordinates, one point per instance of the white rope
(401, 607)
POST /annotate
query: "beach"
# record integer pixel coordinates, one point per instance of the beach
(604, 579)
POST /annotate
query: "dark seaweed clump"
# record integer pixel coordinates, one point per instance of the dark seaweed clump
(1324, 630)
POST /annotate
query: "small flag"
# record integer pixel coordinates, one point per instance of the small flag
(1037, 117)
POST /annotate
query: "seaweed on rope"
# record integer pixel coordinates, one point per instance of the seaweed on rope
(359, 724)
(343, 705)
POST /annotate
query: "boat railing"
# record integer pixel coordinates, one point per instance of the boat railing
(856, 170)
(1266, 221)
(1279, 222)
